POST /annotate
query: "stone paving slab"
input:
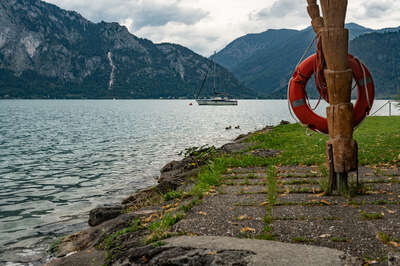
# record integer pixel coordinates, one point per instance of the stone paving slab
(322, 233)
(244, 175)
(266, 252)
(248, 170)
(245, 182)
(244, 189)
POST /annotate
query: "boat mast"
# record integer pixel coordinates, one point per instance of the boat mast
(215, 73)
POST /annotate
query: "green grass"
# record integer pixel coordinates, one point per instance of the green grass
(210, 175)
(160, 229)
(296, 146)
(190, 205)
(246, 181)
(252, 176)
(371, 216)
(300, 182)
(158, 244)
(172, 195)
(109, 241)
(272, 194)
(165, 223)
(272, 185)
(378, 139)
(339, 239)
(386, 239)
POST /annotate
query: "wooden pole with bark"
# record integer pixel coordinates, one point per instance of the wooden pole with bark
(341, 149)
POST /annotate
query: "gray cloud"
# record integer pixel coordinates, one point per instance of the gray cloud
(279, 9)
(208, 25)
(161, 15)
(142, 13)
(377, 9)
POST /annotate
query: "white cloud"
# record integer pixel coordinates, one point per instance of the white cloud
(208, 25)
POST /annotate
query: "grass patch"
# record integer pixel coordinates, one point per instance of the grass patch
(272, 194)
(340, 239)
(190, 205)
(272, 185)
(159, 229)
(252, 176)
(294, 144)
(172, 195)
(266, 236)
(246, 181)
(300, 182)
(357, 189)
(371, 216)
(109, 241)
(384, 202)
(210, 175)
(158, 244)
(386, 239)
(378, 139)
(301, 190)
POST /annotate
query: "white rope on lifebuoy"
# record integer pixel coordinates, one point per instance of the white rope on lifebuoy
(365, 81)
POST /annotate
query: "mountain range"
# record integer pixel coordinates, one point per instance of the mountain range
(265, 61)
(48, 52)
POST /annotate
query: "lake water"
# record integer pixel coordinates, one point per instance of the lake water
(59, 159)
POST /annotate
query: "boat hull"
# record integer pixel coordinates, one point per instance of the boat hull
(216, 102)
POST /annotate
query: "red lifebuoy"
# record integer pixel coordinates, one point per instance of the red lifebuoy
(298, 95)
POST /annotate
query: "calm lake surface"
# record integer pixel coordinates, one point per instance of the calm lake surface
(59, 159)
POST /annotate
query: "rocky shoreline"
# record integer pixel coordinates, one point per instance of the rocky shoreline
(109, 219)
(168, 225)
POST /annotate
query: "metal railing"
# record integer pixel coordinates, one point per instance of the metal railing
(390, 104)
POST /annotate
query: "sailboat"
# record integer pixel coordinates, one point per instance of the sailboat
(219, 98)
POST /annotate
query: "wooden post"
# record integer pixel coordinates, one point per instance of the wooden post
(338, 77)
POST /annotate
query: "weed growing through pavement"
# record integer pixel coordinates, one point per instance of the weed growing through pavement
(371, 216)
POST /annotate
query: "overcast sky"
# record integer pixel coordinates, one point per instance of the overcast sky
(208, 25)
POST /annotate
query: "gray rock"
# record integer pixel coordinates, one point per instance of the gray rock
(84, 258)
(173, 179)
(260, 252)
(93, 236)
(184, 256)
(236, 147)
(139, 197)
(101, 214)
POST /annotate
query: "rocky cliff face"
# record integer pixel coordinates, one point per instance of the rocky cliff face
(47, 52)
